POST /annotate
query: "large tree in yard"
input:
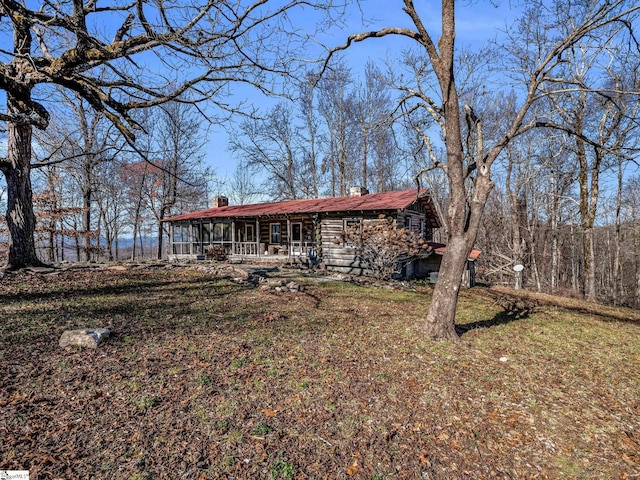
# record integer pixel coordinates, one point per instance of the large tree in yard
(153, 52)
(435, 90)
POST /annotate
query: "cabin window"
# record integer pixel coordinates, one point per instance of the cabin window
(177, 233)
(181, 243)
(206, 233)
(221, 232)
(276, 234)
(352, 223)
(196, 232)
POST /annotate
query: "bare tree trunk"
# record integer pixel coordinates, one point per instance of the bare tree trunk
(308, 112)
(141, 244)
(332, 166)
(137, 217)
(87, 192)
(463, 213)
(21, 219)
(62, 244)
(637, 295)
(135, 238)
(589, 257)
(588, 202)
(530, 219)
(52, 246)
(109, 240)
(342, 165)
(365, 145)
(160, 240)
(617, 270)
(636, 230)
(107, 232)
(116, 234)
(314, 167)
(76, 239)
(534, 268)
(440, 322)
(516, 206)
(577, 272)
(555, 254)
(88, 162)
(518, 246)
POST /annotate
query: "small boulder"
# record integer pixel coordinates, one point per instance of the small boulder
(238, 273)
(86, 337)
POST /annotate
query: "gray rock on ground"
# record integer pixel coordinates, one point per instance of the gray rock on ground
(86, 337)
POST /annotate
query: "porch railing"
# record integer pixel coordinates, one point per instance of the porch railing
(256, 249)
(245, 248)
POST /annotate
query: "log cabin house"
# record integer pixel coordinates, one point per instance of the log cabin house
(307, 231)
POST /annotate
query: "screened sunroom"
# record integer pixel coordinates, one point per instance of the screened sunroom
(195, 237)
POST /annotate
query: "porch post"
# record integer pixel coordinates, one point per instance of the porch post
(233, 237)
(288, 237)
(258, 237)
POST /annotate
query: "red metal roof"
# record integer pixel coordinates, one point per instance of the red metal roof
(366, 203)
(441, 248)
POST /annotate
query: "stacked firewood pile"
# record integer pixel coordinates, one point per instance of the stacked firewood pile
(216, 252)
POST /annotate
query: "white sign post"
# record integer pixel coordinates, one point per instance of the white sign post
(518, 268)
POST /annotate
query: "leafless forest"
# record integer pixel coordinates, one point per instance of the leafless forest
(566, 200)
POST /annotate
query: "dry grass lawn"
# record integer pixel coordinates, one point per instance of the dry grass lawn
(205, 378)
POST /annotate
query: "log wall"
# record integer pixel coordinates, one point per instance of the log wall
(335, 255)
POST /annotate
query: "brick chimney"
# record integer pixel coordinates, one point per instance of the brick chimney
(220, 202)
(358, 191)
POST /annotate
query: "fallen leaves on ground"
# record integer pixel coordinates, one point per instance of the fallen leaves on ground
(205, 378)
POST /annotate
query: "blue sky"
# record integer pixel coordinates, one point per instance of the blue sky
(477, 23)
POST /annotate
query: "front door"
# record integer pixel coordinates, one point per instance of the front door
(248, 245)
(296, 238)
(249, 232)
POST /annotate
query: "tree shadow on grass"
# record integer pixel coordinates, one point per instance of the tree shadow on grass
(514, 309)
(133, 305)
(60, 288)
(518, 306)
